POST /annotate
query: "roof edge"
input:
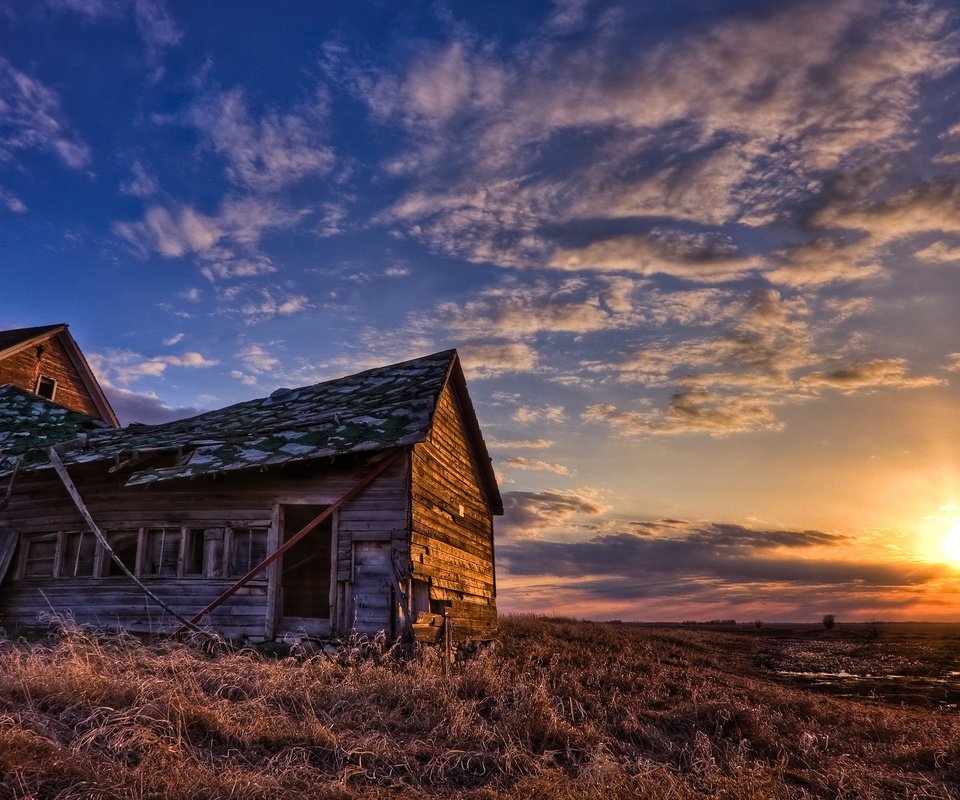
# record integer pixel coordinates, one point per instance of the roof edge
(89, 379)
(458, 380)
(46, 332)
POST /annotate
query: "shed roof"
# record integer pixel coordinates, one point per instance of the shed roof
(372, 410)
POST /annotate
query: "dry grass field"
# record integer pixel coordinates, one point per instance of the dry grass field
(556, 709)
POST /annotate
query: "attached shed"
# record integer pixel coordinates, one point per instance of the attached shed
(390, 460)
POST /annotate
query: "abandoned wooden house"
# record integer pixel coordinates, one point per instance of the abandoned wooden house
(47, 362)
(363, 503)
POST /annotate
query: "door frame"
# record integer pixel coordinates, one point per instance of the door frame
(276, 623)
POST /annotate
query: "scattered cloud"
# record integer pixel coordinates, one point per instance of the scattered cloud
(878, 372)
(144, 407)
(492, 359)
(941, 253)
(156, 27)
(31, 118)
(519, 444)
(691, 411)
(127, 366)
(521, 462)
(175, 339)
(531, 514)
(141, 184)
(225, 244)
(628, 565)
(257, 359)
(268, 153)
(266, 304)
(158, 31)
(698, 129)
(696, 257)
(547, 413)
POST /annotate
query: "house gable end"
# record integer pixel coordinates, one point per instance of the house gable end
(46, 360)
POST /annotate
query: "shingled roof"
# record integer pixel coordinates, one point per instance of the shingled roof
(373, 410)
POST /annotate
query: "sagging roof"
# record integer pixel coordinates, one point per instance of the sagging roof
(373, 410)
(15, 340)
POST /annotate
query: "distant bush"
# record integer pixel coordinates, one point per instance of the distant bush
(828, 621)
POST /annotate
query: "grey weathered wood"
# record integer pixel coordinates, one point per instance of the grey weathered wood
(68, 484)
(8, 543)
(350, 494)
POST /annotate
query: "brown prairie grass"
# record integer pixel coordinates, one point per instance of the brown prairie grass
(557, 709)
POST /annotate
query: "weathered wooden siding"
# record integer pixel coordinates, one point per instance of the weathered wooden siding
(452, 528)
(39, 504)
(20, 369)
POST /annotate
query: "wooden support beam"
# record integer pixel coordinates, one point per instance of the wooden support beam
(85, 513)
(358, 487)
(13, 477)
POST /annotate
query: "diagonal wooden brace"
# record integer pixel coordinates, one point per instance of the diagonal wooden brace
(358, 487)
(71, 488)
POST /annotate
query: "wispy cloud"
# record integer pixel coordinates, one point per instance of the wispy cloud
(144, 407)
(876, 373)
(157, 29)
(705, 130)
(268, 153)
(536, 464)
(31, 118)
(490, 359)
(127, 366)
(224, 244)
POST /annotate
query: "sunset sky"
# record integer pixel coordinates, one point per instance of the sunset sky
(701, 261)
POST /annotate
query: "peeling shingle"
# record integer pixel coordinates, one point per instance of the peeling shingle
(372, 410)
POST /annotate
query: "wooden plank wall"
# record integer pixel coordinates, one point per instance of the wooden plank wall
(40, 504)
(452, 536)
(20, 370)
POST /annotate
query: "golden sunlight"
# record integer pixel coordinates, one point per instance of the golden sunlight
(951, 543)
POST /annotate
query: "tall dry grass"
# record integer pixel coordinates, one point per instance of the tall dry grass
(556, 710)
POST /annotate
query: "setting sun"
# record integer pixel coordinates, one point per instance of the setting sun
(951, 543)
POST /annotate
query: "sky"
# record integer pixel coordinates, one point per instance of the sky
(701, 262)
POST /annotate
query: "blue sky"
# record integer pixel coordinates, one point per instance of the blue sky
(700, 260)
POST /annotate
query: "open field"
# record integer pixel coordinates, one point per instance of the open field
(557, 709)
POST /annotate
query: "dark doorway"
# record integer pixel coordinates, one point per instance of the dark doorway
(305, 581)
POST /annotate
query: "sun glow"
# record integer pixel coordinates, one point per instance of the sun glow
(939, 536)
(951, 543)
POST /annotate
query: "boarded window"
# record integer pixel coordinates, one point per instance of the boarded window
(79, 555)
(249, 549)
(161, 551)
(46, 387)
(40, 556)
(124, 544)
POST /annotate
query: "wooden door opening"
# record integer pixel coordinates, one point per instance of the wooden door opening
(306, 570)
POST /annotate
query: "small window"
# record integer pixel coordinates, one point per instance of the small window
(39, 556)
(162, 551)
(79, 555)
(46, 387)
(124, 544)
(249, 549)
